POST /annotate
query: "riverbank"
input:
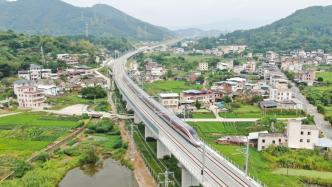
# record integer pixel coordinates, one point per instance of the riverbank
(141, 172)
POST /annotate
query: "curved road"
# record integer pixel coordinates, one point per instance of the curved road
(218, 171)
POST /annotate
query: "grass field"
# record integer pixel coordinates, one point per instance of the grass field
(327, 76)
(168, 86)
(203, 115)
(23, 134)
(252, 111)
(35, 119)
(304, 173)
(72, 99)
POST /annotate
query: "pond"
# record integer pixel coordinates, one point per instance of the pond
(108, 175)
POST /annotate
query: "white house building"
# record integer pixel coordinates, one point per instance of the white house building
(297, 136)
(30, 97)
(203, 66)
(35, 72)
(170, 101)
(301, 136)
(49, 90)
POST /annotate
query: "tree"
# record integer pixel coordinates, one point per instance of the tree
(89, 156)
(320, 79)
(198, 104)
(93, 92)
(227, 99)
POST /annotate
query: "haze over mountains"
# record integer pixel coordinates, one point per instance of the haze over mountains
(55, 17)
(309, 28)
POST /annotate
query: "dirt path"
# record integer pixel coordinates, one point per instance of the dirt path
(141, 172)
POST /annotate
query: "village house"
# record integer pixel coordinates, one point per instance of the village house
(267, 139)
(307, 77)
(250, 66)
(69, 59)
(279, 90)
(206, 97)
(170, 101)
(48, 90)
(21, 83)
(30, 97)
(271, 56)
(301, 136)
(224, 66)
(297, 136)
(35, 72)
(203, 66)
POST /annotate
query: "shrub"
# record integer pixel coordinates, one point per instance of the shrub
(93, 92)
(89, 156)
(117, 144)
(20, 168)
(43, 157)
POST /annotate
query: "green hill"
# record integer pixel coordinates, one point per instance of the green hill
(55, 17)
(309, 28)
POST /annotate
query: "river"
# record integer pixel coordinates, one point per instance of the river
(111, 174)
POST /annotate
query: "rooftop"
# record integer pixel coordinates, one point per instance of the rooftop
(311, 127)
(162, 95)
(23, 81)
(271, 135)
(324, 142)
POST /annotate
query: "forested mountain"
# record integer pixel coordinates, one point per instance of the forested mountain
(55, 17)
(309, 28)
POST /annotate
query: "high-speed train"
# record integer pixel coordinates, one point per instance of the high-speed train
(185, 130)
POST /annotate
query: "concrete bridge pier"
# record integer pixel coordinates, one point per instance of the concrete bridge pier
(137, 120)
(148, 133)
(187, 179)
(162, 150)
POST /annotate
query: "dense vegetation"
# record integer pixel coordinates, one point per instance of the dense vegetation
(18, 51)
(49, 168)
(310, 29)
(93, 92)
(55, 17)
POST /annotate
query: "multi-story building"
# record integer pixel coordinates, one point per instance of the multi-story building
(22, 82)
(301, 136)
(250, 66)
(35, 72)
(271, 56)
(279, 90)
(170, 101)
(205, 97)
(297, 136)
(307, 77)
(29, 97)
(203, 66)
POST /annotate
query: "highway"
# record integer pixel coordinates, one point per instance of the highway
(217, 171)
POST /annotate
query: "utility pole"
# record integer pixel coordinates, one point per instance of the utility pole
(42, 53)
(203, 162)
(86, 29)
(132, 150)
(166, 178)
(247, 156)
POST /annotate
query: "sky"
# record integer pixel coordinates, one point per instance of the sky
(225, 15)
